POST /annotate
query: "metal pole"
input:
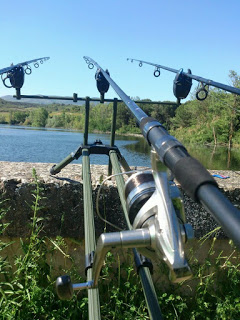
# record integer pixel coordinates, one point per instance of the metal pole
(114, 118)
(113, 129)
(74, 99)
(149, 292)
(86, 121)
(90, 242)
(120, 184)
(58, 167)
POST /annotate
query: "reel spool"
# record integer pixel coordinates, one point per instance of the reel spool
(138, 189)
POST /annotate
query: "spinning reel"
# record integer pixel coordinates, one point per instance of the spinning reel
(159, 231)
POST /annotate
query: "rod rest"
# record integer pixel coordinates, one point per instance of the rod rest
(95, 148)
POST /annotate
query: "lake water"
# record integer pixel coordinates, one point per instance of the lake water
(26, 144)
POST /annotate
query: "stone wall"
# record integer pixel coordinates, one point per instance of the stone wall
(62, 200)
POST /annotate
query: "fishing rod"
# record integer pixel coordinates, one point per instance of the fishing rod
(152, 205)
(15, 73)
(183, 82)
(157, 227)
(192, 176)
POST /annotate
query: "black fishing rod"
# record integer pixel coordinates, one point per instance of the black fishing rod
(15, 73)
(192, 176)
(25, 63)
(181, 80)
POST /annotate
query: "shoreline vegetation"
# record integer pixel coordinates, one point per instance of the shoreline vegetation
(214, 121)
(28, 278)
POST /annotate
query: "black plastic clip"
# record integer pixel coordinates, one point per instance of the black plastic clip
(89, 261)
(142, 261)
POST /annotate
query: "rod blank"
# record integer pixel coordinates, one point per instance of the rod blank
(192, 76)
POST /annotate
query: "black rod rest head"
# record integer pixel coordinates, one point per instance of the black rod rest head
(102, 84)
(182, 85)
(64, 287)
(16, 77)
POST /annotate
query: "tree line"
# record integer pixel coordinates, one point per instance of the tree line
(215, 120)
(72, 117)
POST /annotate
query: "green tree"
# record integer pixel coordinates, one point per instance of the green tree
(214, 120)
(39, 117)
(164, 114)
(20, 116)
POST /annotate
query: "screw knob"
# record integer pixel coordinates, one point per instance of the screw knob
(64, 287)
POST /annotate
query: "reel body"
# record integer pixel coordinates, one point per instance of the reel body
(162, 212)
(159, 230)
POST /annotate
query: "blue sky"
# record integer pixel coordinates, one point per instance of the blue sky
(201, 35)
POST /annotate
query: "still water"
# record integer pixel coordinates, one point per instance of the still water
(27, 144)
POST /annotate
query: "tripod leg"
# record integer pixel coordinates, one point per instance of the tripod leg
(90, 243)
(58, 167)
(124, 164)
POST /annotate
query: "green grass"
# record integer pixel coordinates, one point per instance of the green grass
(27, 288)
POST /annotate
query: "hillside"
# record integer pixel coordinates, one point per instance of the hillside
(38, 102)
(15, 105)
